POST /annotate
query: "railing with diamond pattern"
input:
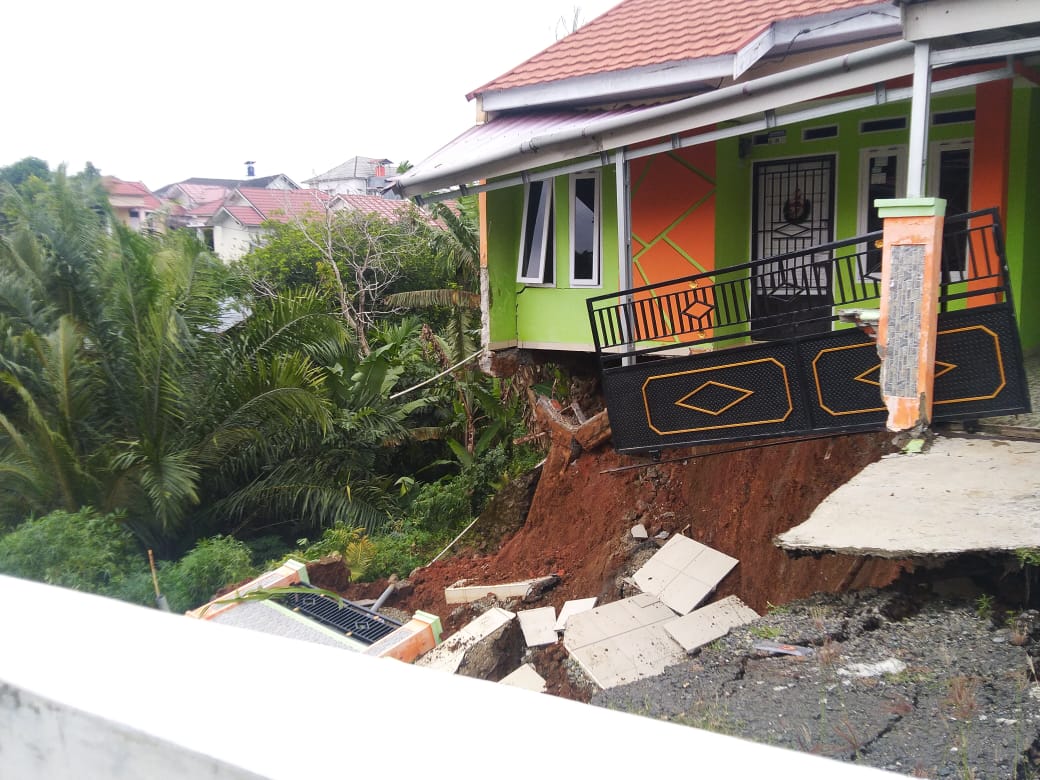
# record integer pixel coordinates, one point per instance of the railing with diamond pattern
(787, 295)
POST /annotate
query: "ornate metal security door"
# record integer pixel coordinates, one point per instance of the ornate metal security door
(793, 211)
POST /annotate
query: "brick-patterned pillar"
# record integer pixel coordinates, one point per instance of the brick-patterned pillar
(909, 307)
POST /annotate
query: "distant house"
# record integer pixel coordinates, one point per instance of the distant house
(357, 176)
(134, 205)
(237, 223)
(194, 202)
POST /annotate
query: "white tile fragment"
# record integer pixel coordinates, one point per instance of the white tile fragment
(639, 531)
(525, 677)
(708, 623)
(573, 607)
(463, 594)
(538, 625)
(683, 573)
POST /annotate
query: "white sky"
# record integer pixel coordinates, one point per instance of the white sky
(160, 92)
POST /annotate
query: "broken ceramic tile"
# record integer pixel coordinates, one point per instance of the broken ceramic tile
(708, 623)
(538, 625)
(683, 573)
(573, 607)
(525, 677)
(639, 531)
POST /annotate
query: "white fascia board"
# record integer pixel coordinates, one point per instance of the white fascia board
(809, 82)
(217, 219)
(819, 31)
(939, 18)
(608, 87)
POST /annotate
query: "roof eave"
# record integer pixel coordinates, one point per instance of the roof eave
(598, 136)
(612, 86)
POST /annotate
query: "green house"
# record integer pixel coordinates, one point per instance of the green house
(670, 138)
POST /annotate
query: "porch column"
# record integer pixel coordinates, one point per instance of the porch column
(624, 238)
(911, 262)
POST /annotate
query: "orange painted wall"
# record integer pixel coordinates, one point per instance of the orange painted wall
(673, 218)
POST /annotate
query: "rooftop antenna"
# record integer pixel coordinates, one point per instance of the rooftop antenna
(250, 170)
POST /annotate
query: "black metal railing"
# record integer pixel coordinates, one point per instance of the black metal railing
(788, 295)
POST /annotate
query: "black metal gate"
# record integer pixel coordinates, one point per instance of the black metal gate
(663, 389)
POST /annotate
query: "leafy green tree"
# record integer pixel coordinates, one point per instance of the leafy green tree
(18, 173)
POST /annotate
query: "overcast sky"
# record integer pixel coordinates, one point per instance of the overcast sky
(159, 92)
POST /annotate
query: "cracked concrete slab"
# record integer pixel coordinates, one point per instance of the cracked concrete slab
(538, 625)
(962, 495)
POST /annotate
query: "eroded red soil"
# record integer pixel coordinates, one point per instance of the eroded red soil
(736, 502)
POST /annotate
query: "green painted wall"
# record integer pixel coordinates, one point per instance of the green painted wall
(557, 315)
(545, 315)
(1023, 226)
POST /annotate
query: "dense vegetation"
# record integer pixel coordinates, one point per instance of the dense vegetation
(134, 416)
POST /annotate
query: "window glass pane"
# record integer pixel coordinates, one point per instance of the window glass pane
(955, 188)
(881, 173)
(537, 238)
(585, 229)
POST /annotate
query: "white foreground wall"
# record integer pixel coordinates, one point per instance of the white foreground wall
(94, 688)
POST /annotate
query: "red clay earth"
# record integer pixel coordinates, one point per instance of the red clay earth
(736, 502)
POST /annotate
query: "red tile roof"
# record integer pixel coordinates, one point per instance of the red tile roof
(640, 33)
(203, 193)
(279, 205)
(373, 204)
(131, 189)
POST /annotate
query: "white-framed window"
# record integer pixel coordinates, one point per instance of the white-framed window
(585, 229)
(537, 237)
(882, 174)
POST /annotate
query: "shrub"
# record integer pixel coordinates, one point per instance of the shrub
(83, 550)
(211, 565)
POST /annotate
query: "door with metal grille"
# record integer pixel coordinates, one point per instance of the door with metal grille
(793, 210)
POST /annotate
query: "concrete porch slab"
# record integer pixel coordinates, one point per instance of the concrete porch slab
(449, 655)
(962, 495)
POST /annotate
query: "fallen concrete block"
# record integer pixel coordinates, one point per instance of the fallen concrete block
(573, 607)
(623, 641)
(419, 635)
(683, 573)
(709, 623)
(639, 531)
(525, 677)
(460, 593)
(538, 625)
(449, 655)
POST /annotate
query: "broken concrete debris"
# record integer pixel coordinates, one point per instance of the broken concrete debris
(639, 531)
(709, 623)
(525, 677)
(683, 573)
(573, 607)
(538, 625)
(449, 655)
(528, 590)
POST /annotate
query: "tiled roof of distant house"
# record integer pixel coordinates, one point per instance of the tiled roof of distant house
(277, 205)
(373, 204)
(641, 33)
(131, 189)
